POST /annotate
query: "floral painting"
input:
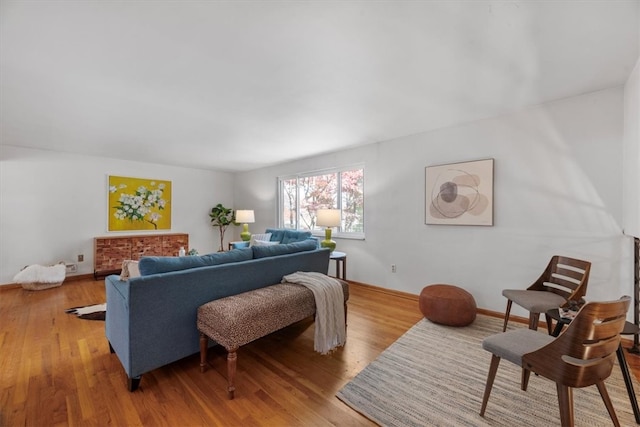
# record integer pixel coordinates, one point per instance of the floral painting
(460, 193)
(139, 204)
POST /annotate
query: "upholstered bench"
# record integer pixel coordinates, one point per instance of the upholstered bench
(447, 305)
(239, 319)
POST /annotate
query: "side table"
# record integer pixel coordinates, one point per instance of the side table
(341, 259)
(629, 329)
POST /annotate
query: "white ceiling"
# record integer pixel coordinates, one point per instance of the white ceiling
(244, 84)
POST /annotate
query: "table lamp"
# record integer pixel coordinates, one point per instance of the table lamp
(245, 217)
(328, 218)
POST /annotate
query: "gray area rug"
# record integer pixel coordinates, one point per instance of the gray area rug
(435, 375)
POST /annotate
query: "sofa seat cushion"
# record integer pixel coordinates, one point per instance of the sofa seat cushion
(282, 249)
(154, 264)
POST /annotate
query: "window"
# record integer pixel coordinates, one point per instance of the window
(303, 194)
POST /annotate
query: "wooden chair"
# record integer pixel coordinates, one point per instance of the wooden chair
(563, 280)
(582, 356)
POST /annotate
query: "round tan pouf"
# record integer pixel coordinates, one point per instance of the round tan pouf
(448, 305)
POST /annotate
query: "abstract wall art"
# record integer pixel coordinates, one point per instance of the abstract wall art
(460, 193)
(139, 204)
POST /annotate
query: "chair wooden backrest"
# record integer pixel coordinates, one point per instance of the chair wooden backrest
(584, 354)
(567, 277)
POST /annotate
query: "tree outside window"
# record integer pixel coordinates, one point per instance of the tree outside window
(301, 196)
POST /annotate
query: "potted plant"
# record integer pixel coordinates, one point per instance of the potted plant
(221, 217)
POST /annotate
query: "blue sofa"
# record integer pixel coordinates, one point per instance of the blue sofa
(282, 235)
(151, 319)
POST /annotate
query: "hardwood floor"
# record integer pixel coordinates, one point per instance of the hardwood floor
(56, 369)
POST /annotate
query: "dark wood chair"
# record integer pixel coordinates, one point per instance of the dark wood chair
(583, 355)
(563, 280)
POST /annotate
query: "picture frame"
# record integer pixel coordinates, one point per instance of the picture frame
(138, 204)
(459, 193)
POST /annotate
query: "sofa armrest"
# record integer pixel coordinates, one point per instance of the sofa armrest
(239, 245)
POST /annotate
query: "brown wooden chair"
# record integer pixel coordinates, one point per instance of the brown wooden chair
(563, 280)
(582, 356)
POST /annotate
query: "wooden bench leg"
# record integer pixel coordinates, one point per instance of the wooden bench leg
(204, 344)
(232, 358)
(345, 314)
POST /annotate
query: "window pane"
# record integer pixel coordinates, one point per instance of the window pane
(316, 192)
(289, 203)
(352, 201)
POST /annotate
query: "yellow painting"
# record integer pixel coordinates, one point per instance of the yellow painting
(139, 204)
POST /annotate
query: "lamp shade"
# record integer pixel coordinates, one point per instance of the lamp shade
(328, 217)
(245, 217)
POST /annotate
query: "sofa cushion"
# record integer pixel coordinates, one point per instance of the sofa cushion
(291, 236)
(276, 234)
(218, 258)
(284, 235)
(159, 264)
(282, 249)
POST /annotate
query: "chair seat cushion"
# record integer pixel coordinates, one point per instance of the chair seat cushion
(512, 345)
(534, 301)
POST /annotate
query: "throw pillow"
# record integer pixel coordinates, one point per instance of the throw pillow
(129, 269)
(266, 237)
(264, 243)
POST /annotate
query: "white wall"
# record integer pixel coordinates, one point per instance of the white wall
(52, 205)
(631, 214)
(558, 190)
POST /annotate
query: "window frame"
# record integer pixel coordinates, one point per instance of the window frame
(337, 232)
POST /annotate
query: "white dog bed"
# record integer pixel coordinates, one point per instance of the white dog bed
(36, 277)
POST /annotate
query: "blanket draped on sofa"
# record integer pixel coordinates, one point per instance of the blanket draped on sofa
(330, 328)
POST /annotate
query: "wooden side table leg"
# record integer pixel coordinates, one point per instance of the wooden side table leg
(204, 342)
(232, 358)
(344, 268)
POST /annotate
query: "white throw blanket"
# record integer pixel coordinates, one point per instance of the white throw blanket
(330, 328)
(41, 274)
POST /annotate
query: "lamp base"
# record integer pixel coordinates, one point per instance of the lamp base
(327, 242)
(245, 235)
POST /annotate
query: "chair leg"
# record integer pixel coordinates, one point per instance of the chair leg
(565, 402)
(506, 315)
(524, 383)
(534, 318)
(547, 318)
(607, 402)
(493, 368)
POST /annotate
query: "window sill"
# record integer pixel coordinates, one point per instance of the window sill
(334, 235)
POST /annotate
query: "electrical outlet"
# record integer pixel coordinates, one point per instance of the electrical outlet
(393, 268)
(80, 258)
(71, 268)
